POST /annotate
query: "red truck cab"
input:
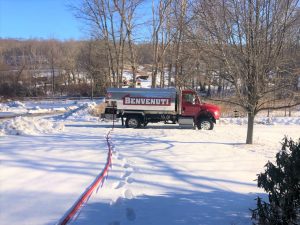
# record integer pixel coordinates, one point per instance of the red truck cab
(205, 115)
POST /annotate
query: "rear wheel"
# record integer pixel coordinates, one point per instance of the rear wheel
(205, 124)
(133, 122)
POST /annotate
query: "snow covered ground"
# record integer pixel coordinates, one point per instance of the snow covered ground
(13, 108)
(165, 175)
(160, 174)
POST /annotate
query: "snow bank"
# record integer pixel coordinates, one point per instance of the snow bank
(81, 113)
(29, 126)
(4, 107)
(16, 104)
(263, 120)
(280, 120)
(37, 109)
(13, 107)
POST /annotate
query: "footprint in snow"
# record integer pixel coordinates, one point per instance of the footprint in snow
(119, 185)
(130, 214)
(120, 157)
(128, 194)
(114, 223)
(126, 165)
(129, 180)
(118, 201)
(126, 174)
(116, 155)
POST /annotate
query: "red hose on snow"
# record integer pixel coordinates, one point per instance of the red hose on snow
(86, 195)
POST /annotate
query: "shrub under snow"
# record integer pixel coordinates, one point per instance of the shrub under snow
(82, 113)
(29, 126)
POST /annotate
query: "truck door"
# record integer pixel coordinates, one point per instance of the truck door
(190, 104)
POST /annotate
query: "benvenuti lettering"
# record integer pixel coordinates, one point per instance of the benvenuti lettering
(127, 101)
(138, 101)
(146, 101)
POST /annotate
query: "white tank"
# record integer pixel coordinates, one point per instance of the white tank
(146, 99)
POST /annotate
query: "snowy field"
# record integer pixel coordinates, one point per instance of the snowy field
(161, 175)
(17, 108)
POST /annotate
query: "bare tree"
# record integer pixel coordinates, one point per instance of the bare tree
(180, 10)
(160, 43)
(96, 69)
(53, 60)
(106, 24)
(248, 38)
(127, 11)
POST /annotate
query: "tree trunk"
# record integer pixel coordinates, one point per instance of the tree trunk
(170, 72)
(132, 58)
(92, 88)
(53, 79)
(250, 128)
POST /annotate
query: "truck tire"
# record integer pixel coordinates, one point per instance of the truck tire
(133, 122)
(205, 124)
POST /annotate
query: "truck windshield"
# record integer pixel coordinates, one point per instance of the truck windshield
(191, 98)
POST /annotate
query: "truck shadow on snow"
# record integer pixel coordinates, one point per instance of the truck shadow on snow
(148, 139)
(161, 144)
(155, 127)
(189, 208)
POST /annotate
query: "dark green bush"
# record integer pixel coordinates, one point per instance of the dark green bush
(282, 183)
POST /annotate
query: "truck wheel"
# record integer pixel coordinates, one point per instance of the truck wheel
(205, 124)
(133, 122)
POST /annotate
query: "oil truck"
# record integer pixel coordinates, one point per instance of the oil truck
(139, 106)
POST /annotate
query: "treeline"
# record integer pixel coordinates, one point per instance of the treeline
(45, 67)
(38, 67)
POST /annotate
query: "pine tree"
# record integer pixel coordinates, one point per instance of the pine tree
(282, 183)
